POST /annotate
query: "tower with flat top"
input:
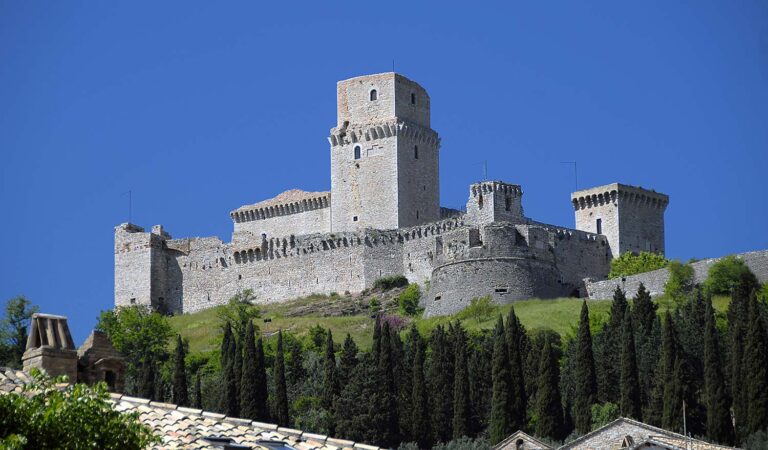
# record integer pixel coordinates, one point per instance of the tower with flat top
(384, 155)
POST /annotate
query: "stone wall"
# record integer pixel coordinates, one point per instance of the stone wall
(654, 281)
(306, 213)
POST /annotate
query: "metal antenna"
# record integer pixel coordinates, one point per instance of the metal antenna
(485, 170)
(575, 173)
(393, 64)
(130, 204)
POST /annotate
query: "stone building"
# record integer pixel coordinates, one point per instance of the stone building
(382, 217)
(51, 349)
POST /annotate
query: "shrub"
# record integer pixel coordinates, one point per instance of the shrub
(395, 322)
(392, 282)
(479, 308)
(374, 304)
(604, 414)
(408, 300)
(764, 292)
(680, 283)
(72, 417)
(724, 274)
(631, 264)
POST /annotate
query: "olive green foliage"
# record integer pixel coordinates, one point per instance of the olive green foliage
(387, 283)
(141, 335)
(680, 283)
(724, 274)
(72, 417)
(631, 264)
(479, 308)
(408, 300)
(603, 414)
(13, 330)
(239, 311)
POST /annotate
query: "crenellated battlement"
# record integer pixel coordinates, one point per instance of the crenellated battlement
(276, 208)
(354, 133)
(612, 193)
(487, 187)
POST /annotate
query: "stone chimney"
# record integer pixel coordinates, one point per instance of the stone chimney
(99, 361)
(50, 347)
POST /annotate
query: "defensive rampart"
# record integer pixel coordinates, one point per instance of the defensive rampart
(654, 281)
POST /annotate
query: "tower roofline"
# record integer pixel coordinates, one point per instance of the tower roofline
(619, 188)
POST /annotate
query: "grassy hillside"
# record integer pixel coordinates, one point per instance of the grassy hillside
(347, 314)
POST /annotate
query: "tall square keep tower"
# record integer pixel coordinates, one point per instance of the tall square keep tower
(384, 155)
(632, 218)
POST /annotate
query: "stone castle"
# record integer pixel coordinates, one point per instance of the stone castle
(382, 217)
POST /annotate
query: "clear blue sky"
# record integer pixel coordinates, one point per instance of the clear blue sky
(200, 107)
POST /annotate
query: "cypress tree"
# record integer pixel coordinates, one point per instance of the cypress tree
(249, 407)
(376, 346)
(755, 370)
(461, 400)
(330, 385)
(389, 424)
(584, 375)
(419, 426)
(439, 379)
(719, 425)
(519, 401)
(237, 369)
(348, 360)
(260, 384)
(646, 326)
(738, 325)
(180, 388)
(295, 374)
(501, 423)
(608, 350)
(672, 372)
(231, 401)
(147, 379)
(630, 386)
(198, 392)
(281, 390)
(480, 383)
(549, 409)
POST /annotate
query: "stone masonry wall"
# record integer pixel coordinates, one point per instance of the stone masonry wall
(654, 281)
(309, 221)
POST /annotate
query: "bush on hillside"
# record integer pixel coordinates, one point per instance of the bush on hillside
(408, 300)
(680, 283)
(631, 264)
(603, 414)
(478, 309)
(387, 283)
(724, 274)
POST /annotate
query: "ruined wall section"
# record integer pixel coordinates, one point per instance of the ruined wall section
(654, 281)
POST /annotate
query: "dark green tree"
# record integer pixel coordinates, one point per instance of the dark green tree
(549, 409)
(440, 381)
(249, 402)
(719, 425)
(608, 350)
(515, 341)
(630, 386)
(671, 376)
(480, 381)
(260, 384)
(419, 430)
(180, 386)
(231, 399)
(647, 337)
(385, 399)
(584, 375)
(147, 377)
(330, 382)
(376, 345)
(738, 327)
(198, 403)
(755, 370)
(348, 360)
(501, 422)
(281, 389)
(13, 329)
(461, 400)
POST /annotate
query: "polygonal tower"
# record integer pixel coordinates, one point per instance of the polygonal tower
(384, 155)
(632, 218)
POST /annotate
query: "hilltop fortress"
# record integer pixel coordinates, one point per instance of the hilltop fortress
(382, 217)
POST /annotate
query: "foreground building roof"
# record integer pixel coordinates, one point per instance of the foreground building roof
(622, 433)
(181, 427)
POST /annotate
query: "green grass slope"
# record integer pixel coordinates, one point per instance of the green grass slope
(346, 314)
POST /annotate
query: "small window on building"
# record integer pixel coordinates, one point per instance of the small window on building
(599, 224)
(357, 152)
(354, 219)
(413, 98)
(417, 213)
(133, 301)
(508, 203)
(501, 290)
(415, 152)
(374, 95)
(480, 201)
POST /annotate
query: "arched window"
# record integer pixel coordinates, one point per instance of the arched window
(374, 95)
(357, 152)
(415, 152)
